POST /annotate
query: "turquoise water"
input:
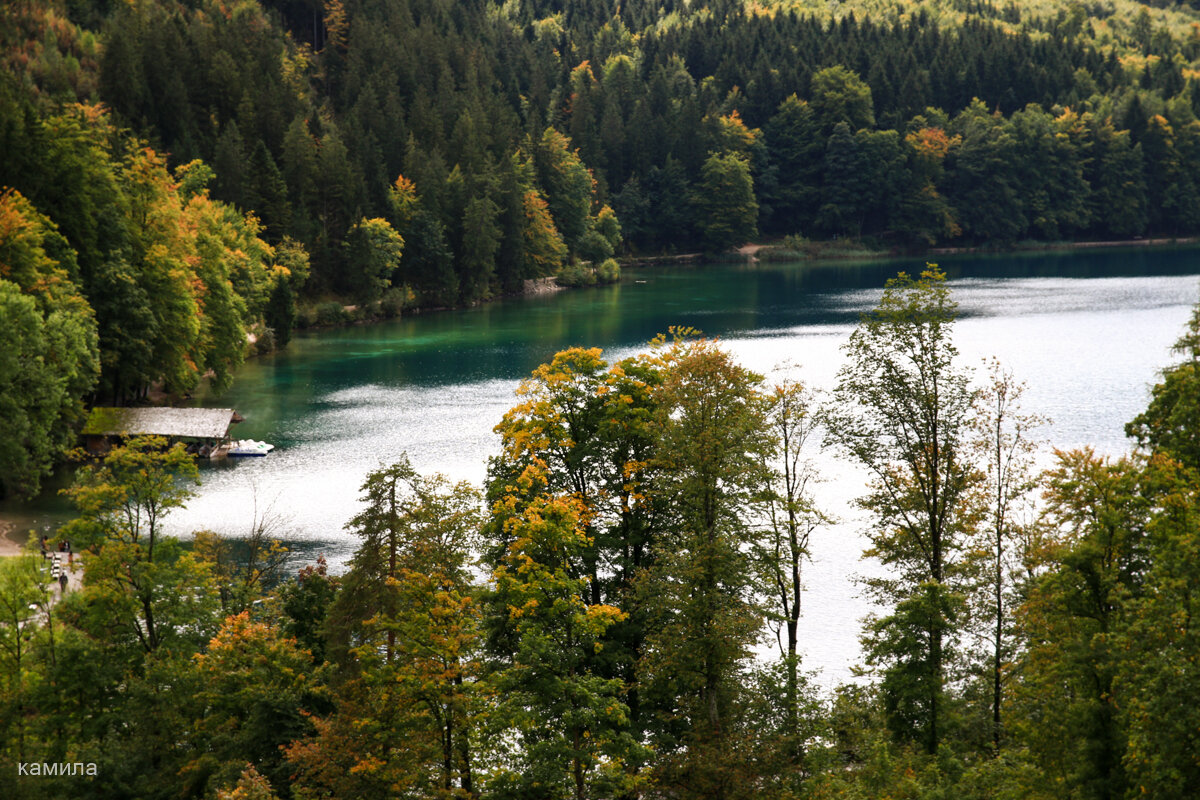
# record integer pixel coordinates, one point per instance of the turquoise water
(1087, 331)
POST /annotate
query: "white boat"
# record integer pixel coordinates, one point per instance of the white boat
(250, 447)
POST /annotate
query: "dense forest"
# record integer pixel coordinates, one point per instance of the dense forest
(615, 615)
(185, 181)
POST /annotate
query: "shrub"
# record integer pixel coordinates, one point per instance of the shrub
(795, 242)
(306, 317)
(594, 247)
(265, 341)
(575, 275)
(331, 313)
(395, 301)
(609, 271)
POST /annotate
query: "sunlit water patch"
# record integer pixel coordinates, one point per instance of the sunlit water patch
(310, 486)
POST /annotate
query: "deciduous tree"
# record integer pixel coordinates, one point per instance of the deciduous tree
(794, 417)
(374, 249)
(570, 722)
(901, 410)
(51, 358)
(725, 204)
(1171, 423)
(701, 595)
(1005, 449)
(157, 593)
(1093, 561)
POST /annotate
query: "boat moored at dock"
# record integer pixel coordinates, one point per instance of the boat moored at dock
(249, 448)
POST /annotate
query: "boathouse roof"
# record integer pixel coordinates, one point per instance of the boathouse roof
(192, 423)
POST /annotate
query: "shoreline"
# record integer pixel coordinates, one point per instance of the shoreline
(750, 252)
(12, 538)
(1048, 247)
(9, 545)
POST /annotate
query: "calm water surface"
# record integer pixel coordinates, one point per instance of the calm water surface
(1087, 332)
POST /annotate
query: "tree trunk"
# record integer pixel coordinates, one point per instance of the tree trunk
(577, 766)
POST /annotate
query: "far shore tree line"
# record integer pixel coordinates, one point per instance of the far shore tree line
(186, 182)
(586, 626)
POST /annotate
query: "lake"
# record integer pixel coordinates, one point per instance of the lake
(1087, 331)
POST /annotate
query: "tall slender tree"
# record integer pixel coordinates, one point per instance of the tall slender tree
(702, 593)
(794, 416)
(1006, 449)
(901, 410)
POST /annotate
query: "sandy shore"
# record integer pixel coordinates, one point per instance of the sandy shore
(11, 541)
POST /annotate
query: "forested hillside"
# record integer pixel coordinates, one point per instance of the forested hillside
(199, 165)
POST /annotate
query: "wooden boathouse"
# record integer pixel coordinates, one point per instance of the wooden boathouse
(205, 431)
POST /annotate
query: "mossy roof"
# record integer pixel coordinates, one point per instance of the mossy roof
(192, 423)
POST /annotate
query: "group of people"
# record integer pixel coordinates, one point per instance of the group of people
(64, 546)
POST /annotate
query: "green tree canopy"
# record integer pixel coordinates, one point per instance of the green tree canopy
(901, 411)
(1171, 423)
(839, 95)
(725, 203)
(50, 360)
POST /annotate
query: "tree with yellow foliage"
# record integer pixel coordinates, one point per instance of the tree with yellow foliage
(570, 723)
